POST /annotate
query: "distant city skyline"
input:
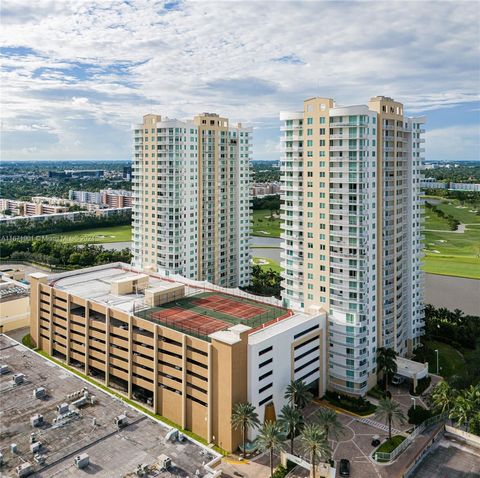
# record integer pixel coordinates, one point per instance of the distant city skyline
(76, 75)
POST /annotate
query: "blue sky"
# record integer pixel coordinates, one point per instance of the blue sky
(76, 74)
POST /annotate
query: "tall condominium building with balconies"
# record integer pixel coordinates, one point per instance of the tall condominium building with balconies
(191, 200)
(352, 239)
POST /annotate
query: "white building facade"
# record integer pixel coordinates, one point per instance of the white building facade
(352, 229)
(191, 212)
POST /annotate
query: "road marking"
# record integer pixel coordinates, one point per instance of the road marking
(379, 425)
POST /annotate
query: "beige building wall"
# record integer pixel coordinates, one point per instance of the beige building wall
(14, 314)
(191, 381)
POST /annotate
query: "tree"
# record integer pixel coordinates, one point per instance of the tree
(315, 444)
(328, 420)
(443, 397)
(386, 363)
(391, 412)
(297, 394)
(291, 420)
(270, 439)
(462, 411)
(244, 416)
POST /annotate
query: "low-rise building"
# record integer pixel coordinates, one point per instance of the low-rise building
(112, 198)
(14, 303)
(265, 189)
(26, 208)
(189, 349)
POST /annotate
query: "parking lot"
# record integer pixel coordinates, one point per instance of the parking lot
(66, 431)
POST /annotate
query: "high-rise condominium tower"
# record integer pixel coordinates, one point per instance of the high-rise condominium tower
(191, 212)
(352, 229)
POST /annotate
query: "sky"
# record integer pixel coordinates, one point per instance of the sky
(76, 74)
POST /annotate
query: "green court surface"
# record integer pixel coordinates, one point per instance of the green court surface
(96, 235)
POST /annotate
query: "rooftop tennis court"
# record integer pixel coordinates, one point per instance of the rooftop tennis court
(208, 312)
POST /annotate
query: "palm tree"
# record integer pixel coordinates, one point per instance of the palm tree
(244, 416)
(291, 420)
(472, 394)
(443, 397)
(328, 420)
(391, 412)
(315, 444)
(297, 394)
(386, 363)
(270, 439)
(462, 411)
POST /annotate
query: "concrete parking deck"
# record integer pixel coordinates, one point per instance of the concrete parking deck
(91, 429)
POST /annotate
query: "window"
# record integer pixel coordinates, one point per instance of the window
(264, 351)
(265, 375)
(270, 360)
(305, 332)
(266, 387)
(265, 400)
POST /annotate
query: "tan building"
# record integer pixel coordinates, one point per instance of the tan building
(187, 351)
(14, 302)
(25, 208)
(191, 198)
(352, 229)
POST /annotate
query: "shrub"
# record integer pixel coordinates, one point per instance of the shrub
(377, 392)
(353, 404)
(418, 415)
(474, 425)
(422, 385)
(281, 471)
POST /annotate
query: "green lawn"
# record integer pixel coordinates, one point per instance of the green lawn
(457, 266)
(451, 361)
(462, 213)
(434, 221)
(265, 226)
(97, 235)
(270, 264)
(450, 253)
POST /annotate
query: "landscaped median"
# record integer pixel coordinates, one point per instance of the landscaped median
(28, 343)
(383, 453)
(355, 406)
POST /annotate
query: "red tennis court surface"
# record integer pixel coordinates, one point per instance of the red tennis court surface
(229, 306)
(190, 321)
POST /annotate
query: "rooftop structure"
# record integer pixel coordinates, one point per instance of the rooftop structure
(75, 418)
(189, 349)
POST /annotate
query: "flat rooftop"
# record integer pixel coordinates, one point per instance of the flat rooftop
(200, 312)
(91, 429)
(11, 291)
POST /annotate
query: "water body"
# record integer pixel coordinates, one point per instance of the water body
(265, 241)
(440, 291)
(453, 293)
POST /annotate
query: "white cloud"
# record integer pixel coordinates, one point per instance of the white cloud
(453, 142)
(96, 64)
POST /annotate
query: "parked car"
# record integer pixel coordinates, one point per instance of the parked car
(397, 379)
(344, 467)
(375, 440)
